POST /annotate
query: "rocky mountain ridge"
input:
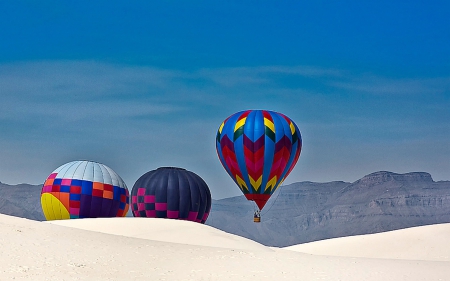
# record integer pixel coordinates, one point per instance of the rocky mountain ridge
(21, 200)
(305, 211)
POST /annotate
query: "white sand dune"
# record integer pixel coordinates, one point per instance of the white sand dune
(175, 231)
(431, 242)
(33, 250)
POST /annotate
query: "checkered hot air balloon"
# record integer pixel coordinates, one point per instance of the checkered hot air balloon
(258, 149)
(84, 189)
(170, 192)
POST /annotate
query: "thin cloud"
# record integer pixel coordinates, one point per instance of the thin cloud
(235, 76)
(385, 86)
(306, 71)
(65, 89)
(78, 79)
(137, 117)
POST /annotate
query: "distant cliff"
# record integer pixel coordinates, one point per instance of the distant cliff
(305, 211)
(22, 200)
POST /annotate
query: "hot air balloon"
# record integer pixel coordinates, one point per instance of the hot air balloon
(170, 192)
(84, 189)
(258, 149)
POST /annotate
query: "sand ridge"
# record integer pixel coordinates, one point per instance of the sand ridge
(34, 250)
(429, 242)
(166, 230)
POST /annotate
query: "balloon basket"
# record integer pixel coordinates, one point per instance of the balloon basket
(257, 219)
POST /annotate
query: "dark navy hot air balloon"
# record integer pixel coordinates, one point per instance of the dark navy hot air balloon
(173, 193)
(258, 149)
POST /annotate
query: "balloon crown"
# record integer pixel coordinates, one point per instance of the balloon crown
(170, 168)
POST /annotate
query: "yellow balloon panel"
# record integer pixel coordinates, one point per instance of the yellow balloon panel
(53, 208)
(125, 211)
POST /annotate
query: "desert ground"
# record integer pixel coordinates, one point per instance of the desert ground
(163, 249)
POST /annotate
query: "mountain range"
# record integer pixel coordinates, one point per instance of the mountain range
(22, 200)
(305, 211)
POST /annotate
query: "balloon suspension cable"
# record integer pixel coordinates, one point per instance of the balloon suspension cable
(273, 201)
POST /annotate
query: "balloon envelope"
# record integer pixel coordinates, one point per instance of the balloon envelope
(173, 193)
(84, 189)
(258, 149)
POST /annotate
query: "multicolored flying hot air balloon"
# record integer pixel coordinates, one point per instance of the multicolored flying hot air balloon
(173, 193)
(258, 149)
(84, 189)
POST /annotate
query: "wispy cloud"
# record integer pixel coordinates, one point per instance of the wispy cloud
(382, 86)
(90, 89)
(234, 76)
(68, 80)
(135, 115)
(78, 89)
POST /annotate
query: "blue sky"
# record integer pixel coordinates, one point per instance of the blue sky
(146, 84)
